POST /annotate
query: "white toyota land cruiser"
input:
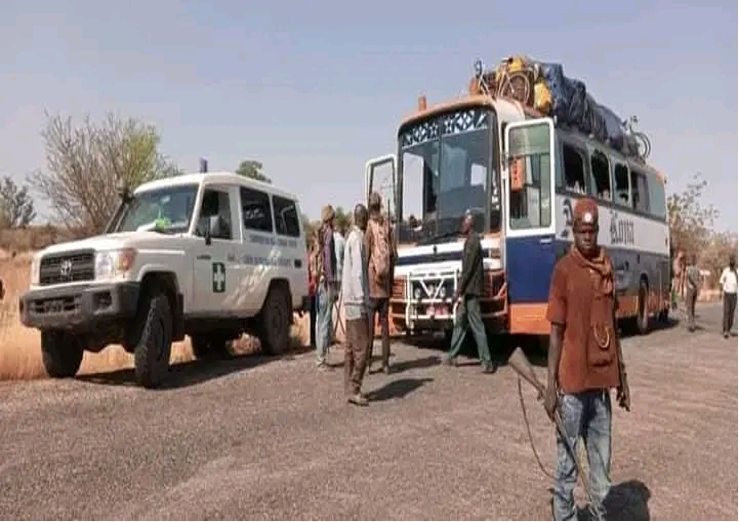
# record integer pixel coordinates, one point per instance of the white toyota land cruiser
(209, 255)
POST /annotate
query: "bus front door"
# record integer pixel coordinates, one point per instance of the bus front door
(530, 253)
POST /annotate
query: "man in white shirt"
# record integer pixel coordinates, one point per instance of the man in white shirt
(728, 284)
(355, 292)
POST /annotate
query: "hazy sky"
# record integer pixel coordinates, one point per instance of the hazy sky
(314, 89)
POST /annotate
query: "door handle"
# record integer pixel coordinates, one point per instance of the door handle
(545, 240)
(204, 257)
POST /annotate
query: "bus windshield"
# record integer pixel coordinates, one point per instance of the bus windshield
(444, 173)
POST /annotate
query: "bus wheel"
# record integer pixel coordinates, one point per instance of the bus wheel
(642, 320)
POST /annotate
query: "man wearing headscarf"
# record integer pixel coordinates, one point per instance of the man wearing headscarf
(585, 360)
(323, 268)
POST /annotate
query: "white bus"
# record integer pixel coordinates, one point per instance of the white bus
(521, 175)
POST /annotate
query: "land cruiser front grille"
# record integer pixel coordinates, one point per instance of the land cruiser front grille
(67, 268)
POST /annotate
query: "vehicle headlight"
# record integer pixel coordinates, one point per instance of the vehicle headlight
(35, 270)
(113, 264)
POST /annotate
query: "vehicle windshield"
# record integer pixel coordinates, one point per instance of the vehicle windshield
(166, 210)
(444, 165)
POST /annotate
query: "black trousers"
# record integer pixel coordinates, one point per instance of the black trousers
(729, 311)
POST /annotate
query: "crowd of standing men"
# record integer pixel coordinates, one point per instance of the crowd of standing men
(585, 361)
(359, 267)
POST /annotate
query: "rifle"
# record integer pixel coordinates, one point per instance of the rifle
(525, 371)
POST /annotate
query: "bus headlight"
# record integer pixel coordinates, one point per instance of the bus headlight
(114, 263)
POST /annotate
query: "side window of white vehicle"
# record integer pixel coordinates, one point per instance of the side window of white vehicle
(215, 213)
(287, 221)
(256, 211)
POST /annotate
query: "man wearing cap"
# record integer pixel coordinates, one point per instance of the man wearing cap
(469, 290)
(323, 268)
(585, 360)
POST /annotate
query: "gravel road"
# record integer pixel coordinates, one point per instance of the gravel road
(273, 438)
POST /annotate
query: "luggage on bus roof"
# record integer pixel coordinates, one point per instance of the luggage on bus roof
(559, 96)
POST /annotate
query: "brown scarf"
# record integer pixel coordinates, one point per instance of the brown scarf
(600, 269)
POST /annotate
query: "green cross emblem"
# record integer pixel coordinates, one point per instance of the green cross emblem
(219, 278)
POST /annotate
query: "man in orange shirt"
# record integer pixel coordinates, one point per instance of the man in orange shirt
(585, 360)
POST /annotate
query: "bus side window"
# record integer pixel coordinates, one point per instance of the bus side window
(621, 184)
(600, 179)
(574, 167)
(639, 193)
(657, 203)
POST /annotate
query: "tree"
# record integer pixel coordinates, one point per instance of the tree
(252, 169)
(16, 205)
(87, 164)
(691, 224)
(342, 219)
(715, 256)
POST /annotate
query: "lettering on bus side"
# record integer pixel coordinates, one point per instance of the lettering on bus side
(622, 230)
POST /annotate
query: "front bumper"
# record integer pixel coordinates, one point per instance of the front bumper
(80, 307)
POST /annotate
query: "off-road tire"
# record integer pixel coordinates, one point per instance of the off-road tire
(274, 329)
(209, 346)
(62, 354)
(152, 352)
(642, 319)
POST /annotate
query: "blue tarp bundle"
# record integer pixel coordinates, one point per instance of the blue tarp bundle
(573, 106)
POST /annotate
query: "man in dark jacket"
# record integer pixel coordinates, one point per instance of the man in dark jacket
(469, 290)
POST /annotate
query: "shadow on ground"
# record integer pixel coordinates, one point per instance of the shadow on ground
(397, 389)
(193, 373)
(625, 501)
(396, 367)
(414, 364)
(535, 347)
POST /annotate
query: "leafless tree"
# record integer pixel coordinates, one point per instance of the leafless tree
(86, 164)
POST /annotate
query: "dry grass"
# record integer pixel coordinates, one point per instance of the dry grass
(20, 347)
